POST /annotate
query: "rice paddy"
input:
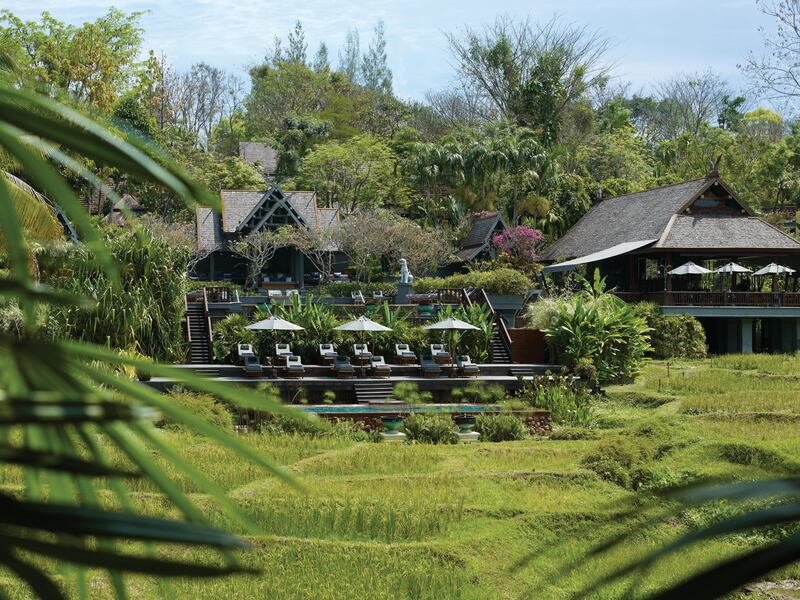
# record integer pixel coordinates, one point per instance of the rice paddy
(506, 520)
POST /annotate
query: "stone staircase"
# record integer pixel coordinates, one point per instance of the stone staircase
(199, 334)
(374, 392)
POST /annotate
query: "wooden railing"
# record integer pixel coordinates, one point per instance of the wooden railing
(186, 320)
(208, 320)
(221, 294)
(706, 298)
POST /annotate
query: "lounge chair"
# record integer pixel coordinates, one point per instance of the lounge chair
(358, 297)
(251, 366)
(362, 353)
(404, 354)
(441, 355)
(294, 368)
(342, 366)
(377, 295)
(467, 368)
(379, 368)
(292, 293)
(274, 294)
(428, 366)
(327, 353)
(282, 350)
(244, 350)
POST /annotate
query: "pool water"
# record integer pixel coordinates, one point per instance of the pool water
(400, 408)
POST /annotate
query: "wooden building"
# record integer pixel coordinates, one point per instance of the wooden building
(636, 239)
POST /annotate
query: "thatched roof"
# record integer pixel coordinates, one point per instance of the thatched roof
(243, 209)
(259, 153)
(479, 236)
(676, 217)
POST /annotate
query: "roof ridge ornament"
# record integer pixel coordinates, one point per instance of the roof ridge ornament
(713, 172)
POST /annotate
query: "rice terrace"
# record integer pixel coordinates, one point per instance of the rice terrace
(336, 301)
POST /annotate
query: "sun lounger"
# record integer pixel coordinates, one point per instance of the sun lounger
(342, 366)
(361, 353)
(379, 368)
(404, 354)
(251, 366)
(282, 350)
(378, 295)
(327, 353)
(428, 366)
(243, 350)
(358, 297)
(441, 355)
(467, 368)
(294, 367)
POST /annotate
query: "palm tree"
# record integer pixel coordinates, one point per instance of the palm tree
(59, 398)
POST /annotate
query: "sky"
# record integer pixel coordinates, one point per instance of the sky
(652, 39)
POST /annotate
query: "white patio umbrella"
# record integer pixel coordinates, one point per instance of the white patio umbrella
(274, 324)
(774, 270)
(452, 324)
(732, 267)
(363, 324)
(689, 268)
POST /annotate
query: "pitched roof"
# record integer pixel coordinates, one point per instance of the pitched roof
(261, 153)
(665, 214)
(637, 216)
(687, 231)
(214, 229)
(478, 237)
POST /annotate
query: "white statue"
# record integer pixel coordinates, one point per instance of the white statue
(405, 274)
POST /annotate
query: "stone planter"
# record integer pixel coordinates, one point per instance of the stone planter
(392, 424)
(465, 423)
(509, 302)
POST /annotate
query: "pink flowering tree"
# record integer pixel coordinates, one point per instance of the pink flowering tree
(521, 242)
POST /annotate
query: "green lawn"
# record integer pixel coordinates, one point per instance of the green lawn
(505, 520)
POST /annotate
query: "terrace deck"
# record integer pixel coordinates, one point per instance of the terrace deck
(319, 379)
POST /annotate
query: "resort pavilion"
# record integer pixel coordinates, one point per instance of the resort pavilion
(636, 240)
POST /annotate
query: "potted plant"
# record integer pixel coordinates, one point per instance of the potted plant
(464, 422)
(392, 423)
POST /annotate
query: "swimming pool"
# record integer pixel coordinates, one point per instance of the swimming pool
(347, 409)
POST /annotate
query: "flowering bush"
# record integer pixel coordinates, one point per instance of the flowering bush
(519, 241)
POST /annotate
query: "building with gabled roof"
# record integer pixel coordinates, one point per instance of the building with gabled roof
(477, 244)
(245, 212)
(261, 156)
(635, 240)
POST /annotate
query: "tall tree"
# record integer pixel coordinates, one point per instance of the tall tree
(776, 71)
(689, 100)
(530, 73)
(349, 55)
(321, 61)
(298, 48)
(375, 71)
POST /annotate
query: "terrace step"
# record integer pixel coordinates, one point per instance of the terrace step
(373, 392)
(497, 351)
(197, 321)
(522, 371)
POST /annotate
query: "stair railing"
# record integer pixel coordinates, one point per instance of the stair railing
(186, 320)
(499, 323)
(208, 320)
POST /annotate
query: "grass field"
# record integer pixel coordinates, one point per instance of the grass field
(506, 520)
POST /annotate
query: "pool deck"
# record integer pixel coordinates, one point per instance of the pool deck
(319, 379)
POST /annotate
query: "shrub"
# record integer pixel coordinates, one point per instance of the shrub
(498, 281)
(228, 334)
(596, 326)
(500, 428)
(539, 314)
(144, 311)
(620, 462)
(574, 433)
(201, 405)
(316, 428)
(430, 429)
(745, 454)
(673, 336)
(568, 404)
(478, 392)
(409, 393)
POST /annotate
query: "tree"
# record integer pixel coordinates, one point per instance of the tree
(321, 62)
(317, 245)
(776, 72)
(349, 56)
(689, 100)
(133, 118)
(530, 74)
(93, 63)
(231, 173)
(375, 72)
(258, 249)
(298, 48)
(359, 173)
